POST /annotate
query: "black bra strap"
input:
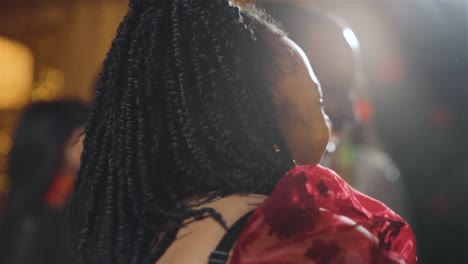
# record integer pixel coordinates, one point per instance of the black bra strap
(221, 254)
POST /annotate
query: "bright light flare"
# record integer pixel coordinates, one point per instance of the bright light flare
(351, 38)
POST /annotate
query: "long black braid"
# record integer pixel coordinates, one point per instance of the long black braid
(182, 109)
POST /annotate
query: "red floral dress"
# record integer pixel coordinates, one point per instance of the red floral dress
(313, 216)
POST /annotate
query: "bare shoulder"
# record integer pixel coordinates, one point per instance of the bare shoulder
(195, 242)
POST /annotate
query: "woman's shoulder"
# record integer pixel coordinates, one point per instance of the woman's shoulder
(314, 216)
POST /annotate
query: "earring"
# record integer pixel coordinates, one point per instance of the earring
(296, 164)
(277, 149)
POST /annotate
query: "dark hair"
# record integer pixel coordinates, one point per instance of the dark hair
(183, 109)
(30, 231)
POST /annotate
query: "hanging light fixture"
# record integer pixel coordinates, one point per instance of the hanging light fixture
(16, 74)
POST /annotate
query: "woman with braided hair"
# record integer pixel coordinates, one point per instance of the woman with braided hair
(203, 113)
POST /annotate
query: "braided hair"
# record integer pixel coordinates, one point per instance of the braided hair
(183, 109)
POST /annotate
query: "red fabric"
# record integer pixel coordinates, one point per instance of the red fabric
(313, 216)
(59, 191)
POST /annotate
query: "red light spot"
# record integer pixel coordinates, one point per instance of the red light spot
(364, 110)
(440, 117)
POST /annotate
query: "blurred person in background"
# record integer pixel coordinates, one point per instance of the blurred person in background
(42, 166)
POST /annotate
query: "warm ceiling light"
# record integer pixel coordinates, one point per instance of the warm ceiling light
(16, 74)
